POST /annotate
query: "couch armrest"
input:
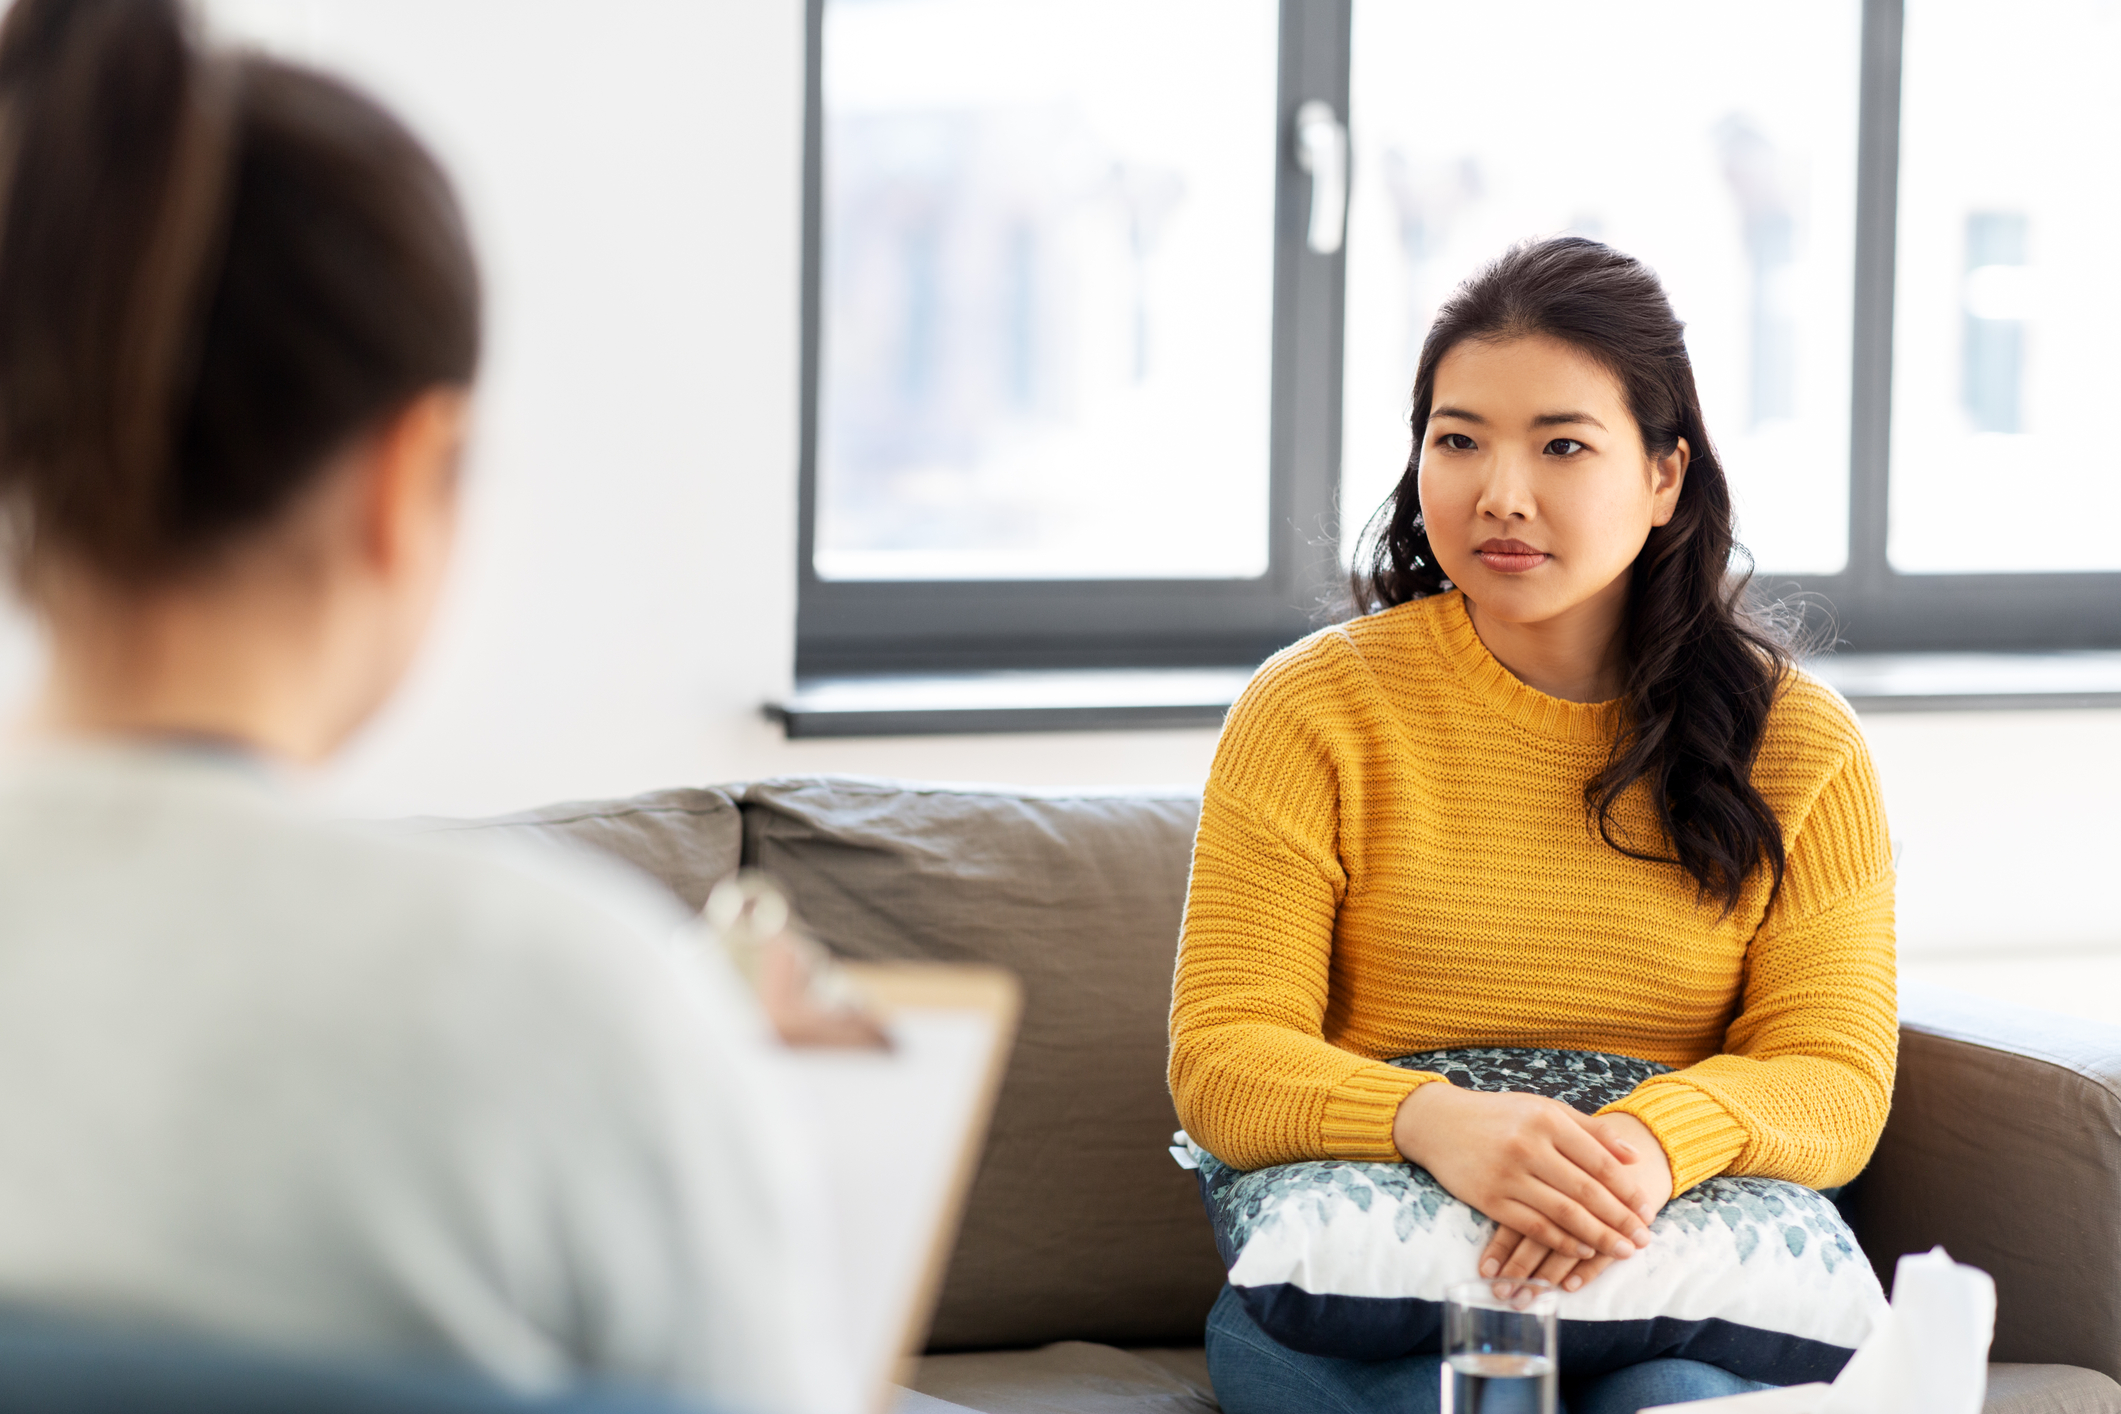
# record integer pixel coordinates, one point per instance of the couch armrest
(2004, 1144)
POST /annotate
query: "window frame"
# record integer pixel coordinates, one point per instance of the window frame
(848, 628)
(851, 628)
(1871, 607)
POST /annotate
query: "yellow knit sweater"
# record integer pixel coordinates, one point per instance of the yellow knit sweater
(1394, 857)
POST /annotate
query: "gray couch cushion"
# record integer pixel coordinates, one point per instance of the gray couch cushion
(2004, 1145)
(1079, 1226)
(687, 839)
(1072, 1377)
(2049, 1389)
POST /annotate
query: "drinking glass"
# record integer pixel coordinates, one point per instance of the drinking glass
(1499, 1347)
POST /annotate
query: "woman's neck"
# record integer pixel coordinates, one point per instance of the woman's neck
(1577, 655)
(220, 662)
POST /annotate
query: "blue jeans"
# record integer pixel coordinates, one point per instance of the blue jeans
(1255, 1374)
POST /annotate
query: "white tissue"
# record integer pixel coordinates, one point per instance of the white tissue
(1928, 1353)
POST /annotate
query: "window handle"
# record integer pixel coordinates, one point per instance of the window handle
(1322, 151)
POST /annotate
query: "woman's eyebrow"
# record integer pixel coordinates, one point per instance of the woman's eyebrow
(1564, 419)
(1460, 413)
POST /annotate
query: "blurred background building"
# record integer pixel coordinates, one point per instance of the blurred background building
(1073, 344)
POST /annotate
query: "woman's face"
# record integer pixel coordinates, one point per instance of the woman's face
(1536, 490)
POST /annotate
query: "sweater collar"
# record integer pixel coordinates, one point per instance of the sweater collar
(1498, 688)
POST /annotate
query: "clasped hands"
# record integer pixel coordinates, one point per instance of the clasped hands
(1570, 1193)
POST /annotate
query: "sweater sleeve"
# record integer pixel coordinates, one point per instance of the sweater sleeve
(1801, 1088)
(1254, 1079)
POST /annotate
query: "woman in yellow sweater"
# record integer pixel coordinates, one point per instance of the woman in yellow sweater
(1561, 789)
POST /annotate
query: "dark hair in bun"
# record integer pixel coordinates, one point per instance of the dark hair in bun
(216, 270)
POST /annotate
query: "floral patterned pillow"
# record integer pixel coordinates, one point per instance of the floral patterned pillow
(1760, 1277)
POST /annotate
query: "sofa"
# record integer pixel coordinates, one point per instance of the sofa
(1084, 1268)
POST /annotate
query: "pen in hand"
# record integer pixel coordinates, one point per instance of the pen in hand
(808, 1000)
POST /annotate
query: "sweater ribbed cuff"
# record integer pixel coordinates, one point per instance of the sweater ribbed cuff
(1699, 1137)
(1359, 1112)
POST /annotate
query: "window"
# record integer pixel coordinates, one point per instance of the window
(1071, 357)
(1074, 358)
(1979, 474)
(1741, 195)
(1046, 291)
(2006, 292)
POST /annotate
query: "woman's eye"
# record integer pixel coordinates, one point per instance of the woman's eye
(1564, 447)
(1457, 441)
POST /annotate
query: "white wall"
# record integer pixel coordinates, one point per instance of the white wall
(625, 600)
(2009, 827)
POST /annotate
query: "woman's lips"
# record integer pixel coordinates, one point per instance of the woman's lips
(1511, 558)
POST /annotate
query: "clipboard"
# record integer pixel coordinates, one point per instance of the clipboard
(913, 1122)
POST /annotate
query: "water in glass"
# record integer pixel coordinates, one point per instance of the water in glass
(1476, 1383)
(1499, 1340)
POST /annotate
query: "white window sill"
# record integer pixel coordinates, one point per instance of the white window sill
(1106, 699)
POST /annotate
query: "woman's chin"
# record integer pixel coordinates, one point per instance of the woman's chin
(1516, 599)
(1541, 596)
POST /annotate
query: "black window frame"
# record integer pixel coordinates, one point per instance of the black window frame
(858, 628)
(1872, 607)
(849, 628)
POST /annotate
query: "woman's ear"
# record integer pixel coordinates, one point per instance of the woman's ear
(1667, 478)
(412, 479)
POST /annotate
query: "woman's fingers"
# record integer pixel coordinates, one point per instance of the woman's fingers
(1605, 1134)
(1585, 1146)
(1584, 1206)
(1652, 1173)
(1528, 1259)
(1599, 1183)
(1584, 1274)
(1557, 1269)
(1538, 1227)
(1531, 1164)
(1499, 1248)
(1513, 1257)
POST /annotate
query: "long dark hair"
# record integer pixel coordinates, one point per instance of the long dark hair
(1703, 665)
(215, 271)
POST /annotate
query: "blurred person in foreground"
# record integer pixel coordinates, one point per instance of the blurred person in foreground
(267, 1077)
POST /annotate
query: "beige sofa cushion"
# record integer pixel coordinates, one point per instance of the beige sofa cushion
(1074, 1378)
(687, 839)
(2049, 1389)
(1079, 1226)
(2004, 1145)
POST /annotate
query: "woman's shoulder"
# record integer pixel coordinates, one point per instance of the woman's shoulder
(1343, 661)
(220, 853)
(1808, 715)
(521, 910)
(1327, 698)
(1812, 735)
(253, 929)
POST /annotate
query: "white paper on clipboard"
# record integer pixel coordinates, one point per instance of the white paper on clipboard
(905, 1130)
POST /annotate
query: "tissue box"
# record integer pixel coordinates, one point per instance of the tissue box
(1928, 1354)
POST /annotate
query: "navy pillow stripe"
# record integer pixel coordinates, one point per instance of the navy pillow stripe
(1381, 1328)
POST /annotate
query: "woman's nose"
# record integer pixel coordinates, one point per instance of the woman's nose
(1506, 494)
